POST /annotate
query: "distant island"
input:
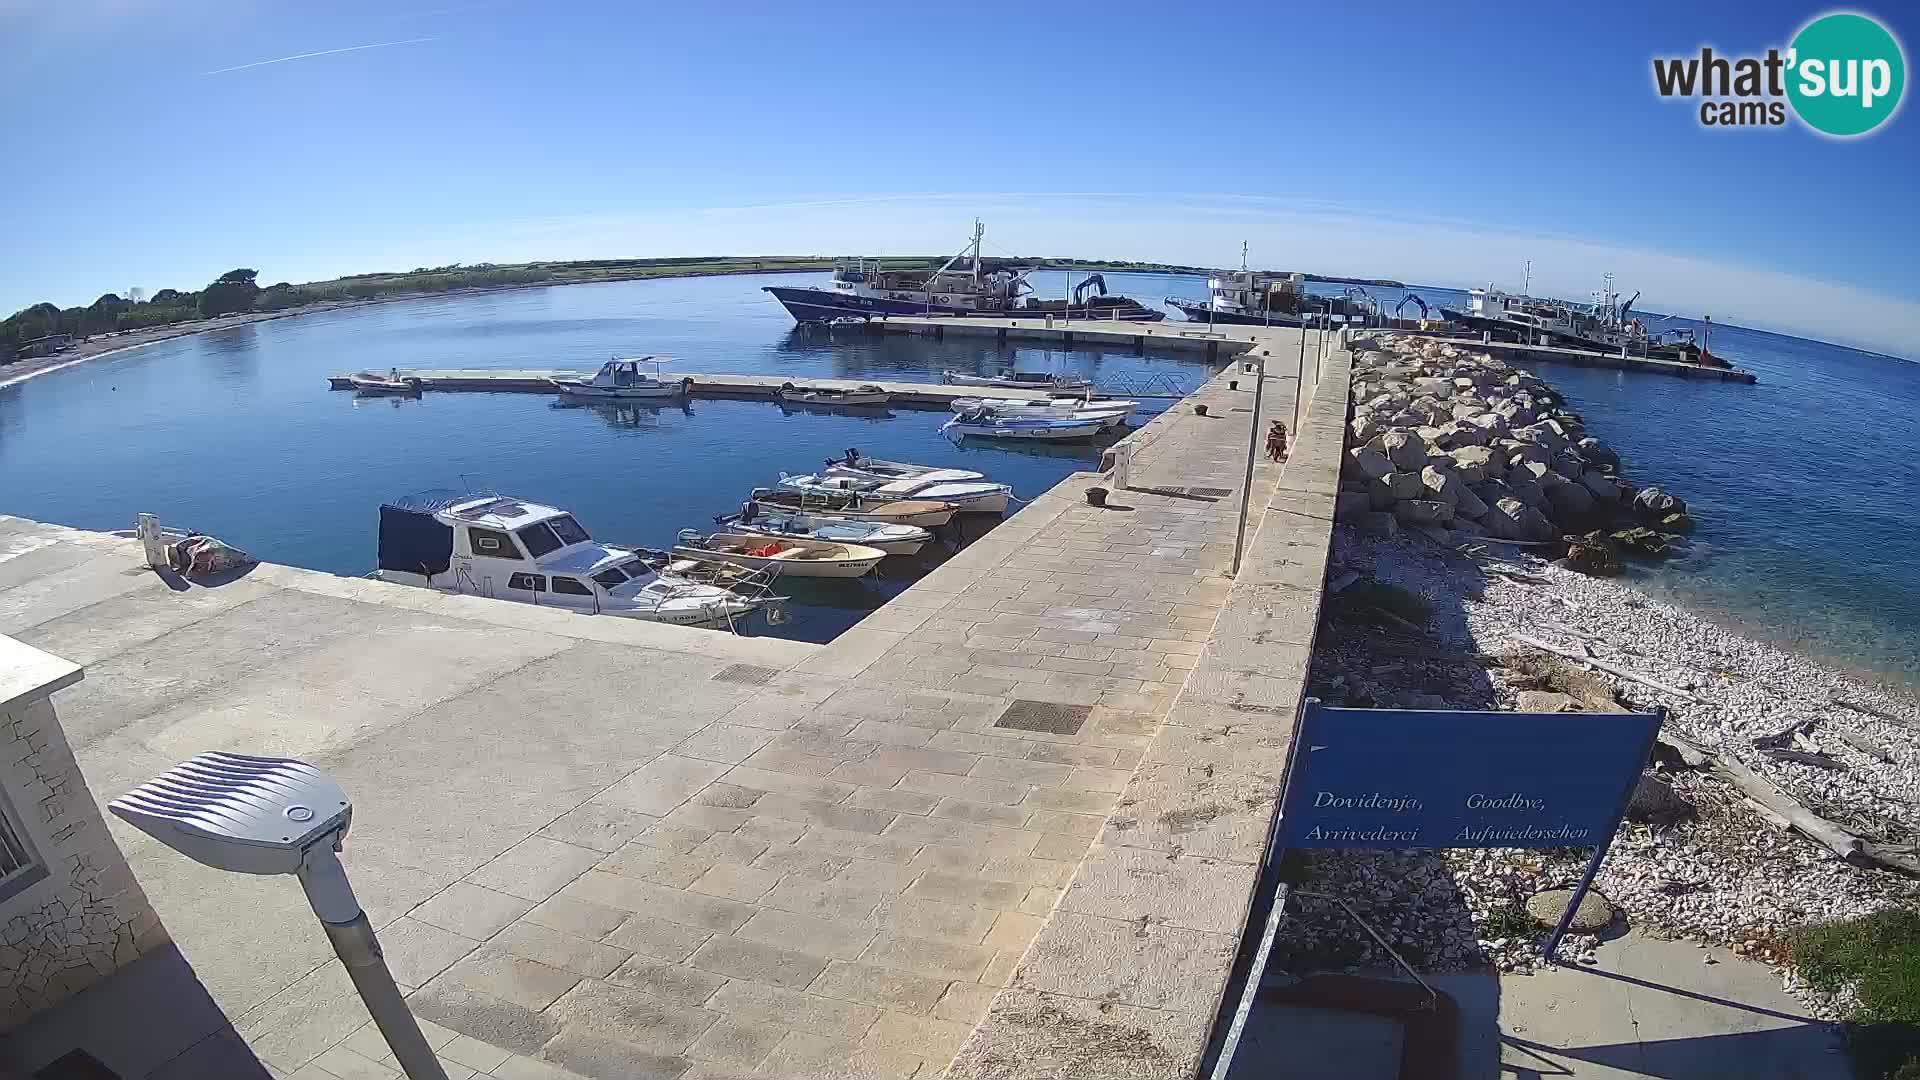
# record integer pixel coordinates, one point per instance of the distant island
(45, 329)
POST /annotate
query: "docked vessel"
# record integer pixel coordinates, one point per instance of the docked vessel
(789, 556)
(620, 380)
(964, 285)
(859, 465)
(988, 424)
(892, 538)
(854, 506)
(1018, 380)
(1263, 298)
(388, 385)
(866, 395)
(509, 549)
(1113, 412)
(1606, 324)
(970, 496)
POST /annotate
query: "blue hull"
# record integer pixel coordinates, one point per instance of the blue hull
(820, 305)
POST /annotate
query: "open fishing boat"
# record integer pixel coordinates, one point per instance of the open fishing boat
(790, 556)
(366, 382)
(866, 394)
(1018, 380)
(859, 465)
(853, 506)
(1115, 412)
(890, 538)
(619, 380)
(972, 496)
(986, 424)
(509, 549)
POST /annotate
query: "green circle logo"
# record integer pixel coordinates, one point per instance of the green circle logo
(1847, 74)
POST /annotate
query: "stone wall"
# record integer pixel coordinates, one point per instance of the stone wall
(80, 915)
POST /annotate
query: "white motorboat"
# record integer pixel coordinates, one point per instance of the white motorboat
(972, 496)
(390, 384)
(986, 424)
(888, 537)
(508, 549)
(1018, 380)
(790, 556)
(856, 464)
(852, 506)
(619, 380)
(865, 395)
(1115, 412)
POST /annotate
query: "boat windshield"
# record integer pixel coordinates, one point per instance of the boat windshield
(568, 529)
(539, 539)
(622, 572)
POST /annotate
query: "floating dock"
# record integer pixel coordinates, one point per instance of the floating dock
(1559, 354)
(1218, 344)
(755, 387)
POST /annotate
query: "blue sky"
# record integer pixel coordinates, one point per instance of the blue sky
(1438, 144)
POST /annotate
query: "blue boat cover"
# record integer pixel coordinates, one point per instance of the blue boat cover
(410, 538)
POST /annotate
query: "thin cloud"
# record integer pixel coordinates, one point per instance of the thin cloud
(322, 52)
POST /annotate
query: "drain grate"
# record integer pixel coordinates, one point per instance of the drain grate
(745, 675)
(1047, 716)
(1210, 492)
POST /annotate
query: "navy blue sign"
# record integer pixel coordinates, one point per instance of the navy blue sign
(1380, 778)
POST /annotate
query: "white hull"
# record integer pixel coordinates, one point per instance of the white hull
(389, 387)
(1110, 414)
(708, 608)
(893, 538)
(968, 497)
(1054, 382)
(797, 558)
(1033, 430)
(615, 393)
(931, 476)
(851, 399)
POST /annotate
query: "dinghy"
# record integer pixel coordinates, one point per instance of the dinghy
(1115, 413)
(366, 382)
(970, 496)
(890, 538)
(982, 423)
(788, 556)
(852, 506)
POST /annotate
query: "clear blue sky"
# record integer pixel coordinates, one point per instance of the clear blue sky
(1443, 144)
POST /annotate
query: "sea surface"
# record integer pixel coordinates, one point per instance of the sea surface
(235, 432)
(1803, 485)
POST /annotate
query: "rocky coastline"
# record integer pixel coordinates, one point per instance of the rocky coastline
(1477, 522)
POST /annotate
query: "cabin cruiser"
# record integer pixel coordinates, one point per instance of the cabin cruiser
(619, 380)
(1114, 412)
(509, 549)
(968, 496)
(964, 285)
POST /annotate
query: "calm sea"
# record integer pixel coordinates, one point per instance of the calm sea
(235, 433)
(1802, 485)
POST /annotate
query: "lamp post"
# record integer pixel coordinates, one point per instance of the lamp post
(261, 815)
(1246, 484)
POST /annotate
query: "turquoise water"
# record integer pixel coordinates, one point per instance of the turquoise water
(235, 433)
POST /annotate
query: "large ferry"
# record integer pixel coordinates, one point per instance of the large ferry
(964, 285)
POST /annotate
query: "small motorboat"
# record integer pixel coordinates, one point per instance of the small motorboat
(1018, 380)
(891, 538)
(619, 380)
(482, 544)
(859, 465)
(392, 383)
(790, 556)
(986, 424)
(865, 395)
(972, 496)
(852, 506)
(1115, 412)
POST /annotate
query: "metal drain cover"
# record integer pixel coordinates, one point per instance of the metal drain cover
(745, 675)
(1047, 716)
(1210, 492)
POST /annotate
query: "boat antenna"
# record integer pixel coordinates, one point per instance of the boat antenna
(1243, 256)
(1527, 288)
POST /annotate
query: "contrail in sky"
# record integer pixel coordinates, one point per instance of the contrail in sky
(322, 52)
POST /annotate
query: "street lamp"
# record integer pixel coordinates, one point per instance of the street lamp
(262, 815)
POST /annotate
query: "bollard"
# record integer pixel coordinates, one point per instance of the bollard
(1096, 496)
(1233, 384)
(1199, 410)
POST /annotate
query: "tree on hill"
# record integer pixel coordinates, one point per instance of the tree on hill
(234, 291)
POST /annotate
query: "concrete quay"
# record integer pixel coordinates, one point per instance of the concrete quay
(1520, 353)
(1217, 343)
(752, 387)
(1010, 823)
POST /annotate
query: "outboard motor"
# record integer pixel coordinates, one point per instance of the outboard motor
(748, 511)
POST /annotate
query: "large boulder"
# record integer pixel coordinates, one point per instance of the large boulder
(1597, 452)
(1379, 524)
(1433, 388)
(1568, 464)
(1604, 487)
(1367, 462)
(1519, 453)
(1511, 519)
(1527, 490)
(1492, 423)
(1423, 512)
(1406, 450)
(1478, 459)
(1440, 486)
(1466, 504)
(1655, 503)
(1457, 434)
(1364, 427)
(1543, 434)
(1655, 801)
(1572, 504)
(1467, 409)
(1348, 505)
(1396, 487)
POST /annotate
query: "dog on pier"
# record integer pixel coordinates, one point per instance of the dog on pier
(1277, 441)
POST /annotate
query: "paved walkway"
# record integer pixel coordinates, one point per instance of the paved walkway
(621, 851)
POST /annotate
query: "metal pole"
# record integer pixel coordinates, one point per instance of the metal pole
(1299, 372)
(1246, 486)
(1579, 893)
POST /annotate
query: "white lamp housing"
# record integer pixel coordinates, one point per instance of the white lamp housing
(237, 812)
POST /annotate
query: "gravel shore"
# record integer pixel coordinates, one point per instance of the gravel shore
(1707, 866)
